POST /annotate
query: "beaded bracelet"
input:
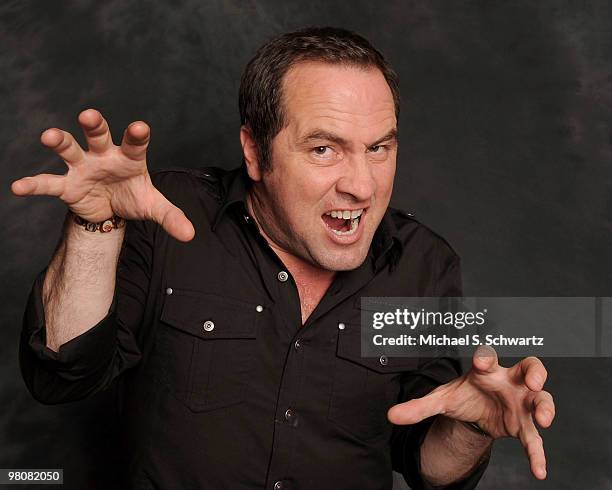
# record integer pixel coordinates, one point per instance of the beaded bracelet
(105, 226)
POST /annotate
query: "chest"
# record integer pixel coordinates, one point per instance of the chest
(226, 333)
(310, 293)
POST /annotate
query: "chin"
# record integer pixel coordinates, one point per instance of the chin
(340, 261)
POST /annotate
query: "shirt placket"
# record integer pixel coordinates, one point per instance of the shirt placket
(287, 312)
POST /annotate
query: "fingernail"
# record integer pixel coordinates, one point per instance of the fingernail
(543, 471)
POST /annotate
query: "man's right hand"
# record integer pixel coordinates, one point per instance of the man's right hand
(107, 179)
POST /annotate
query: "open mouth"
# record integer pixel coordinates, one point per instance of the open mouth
(343, 222)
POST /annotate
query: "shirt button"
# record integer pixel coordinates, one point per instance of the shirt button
(383, 360)
(289, 415)
(298, 344)
(279, 485)
(208, 325)
(341, 326)
(168, 290)
(282, 276)
(259, 308)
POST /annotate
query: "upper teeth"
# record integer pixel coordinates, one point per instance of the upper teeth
(345, 214)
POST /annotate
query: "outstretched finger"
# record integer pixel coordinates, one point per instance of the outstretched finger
(136, 140)
(532, 371)
(41, 184)
(413, 411)
(534, 447)
(171, 218)
(63, 144)
(544, 408)
(97, 132)
(485, 360)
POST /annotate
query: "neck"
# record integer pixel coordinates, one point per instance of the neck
(296, 264)
(311, 281)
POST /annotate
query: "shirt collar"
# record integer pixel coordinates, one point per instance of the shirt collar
(386, 243)
(235, 184)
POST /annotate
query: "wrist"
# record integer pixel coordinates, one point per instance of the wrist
(476, 428)
(105, 226)
(461, 433)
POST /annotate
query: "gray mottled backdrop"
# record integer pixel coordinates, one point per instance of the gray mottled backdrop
(506, 146)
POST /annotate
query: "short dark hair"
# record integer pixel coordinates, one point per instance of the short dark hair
(260, 97)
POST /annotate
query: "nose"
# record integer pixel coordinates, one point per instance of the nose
(358, 180)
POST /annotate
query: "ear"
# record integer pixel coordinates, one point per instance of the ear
(249, 151)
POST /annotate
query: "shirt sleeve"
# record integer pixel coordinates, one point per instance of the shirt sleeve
(406, 440)
(90, 362)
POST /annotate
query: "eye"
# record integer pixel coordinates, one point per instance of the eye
(377, 148)
(320, 150)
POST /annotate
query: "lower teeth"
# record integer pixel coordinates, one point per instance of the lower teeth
(354, 224)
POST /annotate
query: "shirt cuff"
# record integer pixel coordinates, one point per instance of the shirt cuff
(76, 359)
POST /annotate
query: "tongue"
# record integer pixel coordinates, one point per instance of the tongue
(337, 224)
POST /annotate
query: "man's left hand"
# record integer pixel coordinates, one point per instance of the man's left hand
(502, 401)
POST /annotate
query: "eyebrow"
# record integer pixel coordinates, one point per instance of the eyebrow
(320, 134)
(390, 136)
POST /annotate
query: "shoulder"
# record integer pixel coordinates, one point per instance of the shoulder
(181, 181)
(415, 235)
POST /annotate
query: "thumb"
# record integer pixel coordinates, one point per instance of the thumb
(413, 411)
(171, 218)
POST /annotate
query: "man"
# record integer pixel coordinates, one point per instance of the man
(235, 333)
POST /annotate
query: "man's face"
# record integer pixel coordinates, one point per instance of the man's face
(333, 165)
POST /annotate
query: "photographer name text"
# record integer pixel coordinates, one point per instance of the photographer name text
(446, 340)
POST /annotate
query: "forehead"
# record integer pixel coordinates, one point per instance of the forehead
(337, 96)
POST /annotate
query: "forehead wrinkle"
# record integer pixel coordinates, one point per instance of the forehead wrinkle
(334, 103)
(344, 128)
(342, 113)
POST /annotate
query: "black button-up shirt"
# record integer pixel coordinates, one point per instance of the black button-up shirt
(221, 386)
